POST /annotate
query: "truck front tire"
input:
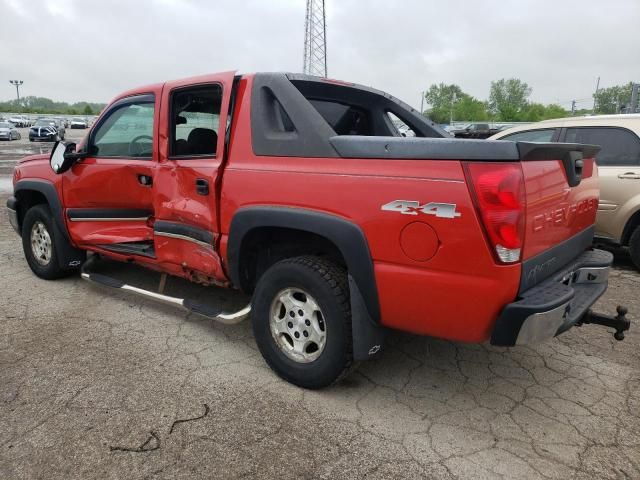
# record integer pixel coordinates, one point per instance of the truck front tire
(39, 243)
(301, 319)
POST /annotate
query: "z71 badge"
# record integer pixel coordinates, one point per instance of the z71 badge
(413, 207)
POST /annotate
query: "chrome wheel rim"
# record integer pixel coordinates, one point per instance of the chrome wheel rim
(297, 325)
(41, 243)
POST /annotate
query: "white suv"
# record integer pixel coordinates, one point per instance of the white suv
(618, 219)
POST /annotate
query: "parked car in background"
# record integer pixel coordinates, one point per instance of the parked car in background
(46, 130)
(476, 130)
(453, 129)
(8, 131)
(406, 131)
(78, 123)
(17, 120)
(618, 219)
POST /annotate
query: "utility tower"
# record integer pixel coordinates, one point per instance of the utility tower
(315, 39)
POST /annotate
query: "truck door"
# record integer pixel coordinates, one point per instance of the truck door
(194, 117)
(107, 195)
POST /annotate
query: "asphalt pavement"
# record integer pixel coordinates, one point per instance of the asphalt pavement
(97, 384)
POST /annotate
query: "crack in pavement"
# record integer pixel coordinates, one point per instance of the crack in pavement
(178, 422)
(144, 447)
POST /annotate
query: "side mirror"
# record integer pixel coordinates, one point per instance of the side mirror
(63, 156)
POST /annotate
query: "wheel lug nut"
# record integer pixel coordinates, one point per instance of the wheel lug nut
(292, 314)
(290, 325)
(297, 334)
(300, 312)
(305, 333)
(307, 323)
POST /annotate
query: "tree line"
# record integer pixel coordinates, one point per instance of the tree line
(46, 105)
(509, 102)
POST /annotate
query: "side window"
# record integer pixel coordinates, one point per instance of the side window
(531, 136)
(195, 121)
(618, 147)
(127, 132)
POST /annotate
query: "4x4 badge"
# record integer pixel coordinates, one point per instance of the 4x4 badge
(413, 207)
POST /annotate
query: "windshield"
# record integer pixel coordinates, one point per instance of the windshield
(45, 122)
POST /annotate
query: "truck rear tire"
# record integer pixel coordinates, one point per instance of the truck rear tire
(634, 247)
(39, 243)
(301, 319)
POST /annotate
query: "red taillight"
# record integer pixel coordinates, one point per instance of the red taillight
(498, 193)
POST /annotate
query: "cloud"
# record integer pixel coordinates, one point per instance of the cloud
(92, 50)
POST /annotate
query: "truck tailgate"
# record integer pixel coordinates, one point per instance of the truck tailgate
(555, 211)
(561, 189)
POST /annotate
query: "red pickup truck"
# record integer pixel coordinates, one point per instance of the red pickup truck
(301, 192)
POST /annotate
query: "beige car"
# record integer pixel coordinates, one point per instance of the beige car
(618, 220)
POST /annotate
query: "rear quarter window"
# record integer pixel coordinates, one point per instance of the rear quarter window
(618, 146)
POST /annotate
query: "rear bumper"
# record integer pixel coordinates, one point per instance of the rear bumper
(556, 304)
(12, 211)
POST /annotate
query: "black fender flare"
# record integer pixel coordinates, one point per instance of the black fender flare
(49, 191)
(347, 237)
(69, 256)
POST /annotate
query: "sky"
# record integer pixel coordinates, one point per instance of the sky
(90, 50)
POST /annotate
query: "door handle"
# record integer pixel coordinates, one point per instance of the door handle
(630, 176)
(145, 180)
(202, 186)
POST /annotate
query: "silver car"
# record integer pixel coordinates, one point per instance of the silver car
(8, 131)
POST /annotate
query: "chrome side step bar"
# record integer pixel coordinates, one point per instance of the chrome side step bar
(213, 313)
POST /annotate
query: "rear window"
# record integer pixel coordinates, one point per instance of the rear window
(345, 119)
(619, 147)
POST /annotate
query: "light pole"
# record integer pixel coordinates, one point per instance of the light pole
(454, 97)
(17, 83)
(595, 96)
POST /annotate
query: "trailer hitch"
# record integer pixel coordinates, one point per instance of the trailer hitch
(620, 322)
